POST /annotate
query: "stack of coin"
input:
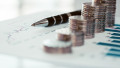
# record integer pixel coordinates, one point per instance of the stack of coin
(87, 10)
(90, 29)
(57, 47)
(110, 2)
(110, 12)
(88, 17)
(75, 23)
(97, 2)
(103, 1)
(99, 25)
(77, 38)
(100, 14)
(63, 34)
(79, 23)
(61, 45)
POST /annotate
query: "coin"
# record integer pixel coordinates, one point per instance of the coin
(97, 2)
(85, 25)
(99, 25)
(87, 9)
(63, 34)
(77, 38)
(109, 23)
(58, 47)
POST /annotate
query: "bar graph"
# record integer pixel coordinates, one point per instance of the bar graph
(108, 44)
(114, 37)
(115, 34)
(114, 43)
(112, 30)
(117, 28)
(115, 50)
(112, 54)
(117, 24)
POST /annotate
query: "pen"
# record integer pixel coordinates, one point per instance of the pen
(55, 20)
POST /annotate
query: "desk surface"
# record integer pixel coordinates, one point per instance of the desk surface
(24, 42)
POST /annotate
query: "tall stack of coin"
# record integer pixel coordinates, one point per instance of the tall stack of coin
(110, 12)
(87, 10)
(88, 17)
(99, 15)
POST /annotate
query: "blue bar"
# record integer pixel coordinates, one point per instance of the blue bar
(111, 30)
(115, 50)
(108, 44)
(116, 41)
(114, 55)
(118, 28)
(115, 34)
(115, 37)
(117, 24)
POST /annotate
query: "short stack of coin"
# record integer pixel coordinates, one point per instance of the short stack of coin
(85, 25)
(61, 45)
(54, 46)
(78, 28)
(77, 38)
(110, 12)
(99, 15)
(75, 23)
(63, 34)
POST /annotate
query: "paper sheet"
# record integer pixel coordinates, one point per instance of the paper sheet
(18, 38)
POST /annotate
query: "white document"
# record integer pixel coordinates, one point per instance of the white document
(19, 38)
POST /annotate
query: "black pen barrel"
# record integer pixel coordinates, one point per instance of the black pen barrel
(63, 18)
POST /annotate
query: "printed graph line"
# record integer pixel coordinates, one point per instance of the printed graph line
(11, 34)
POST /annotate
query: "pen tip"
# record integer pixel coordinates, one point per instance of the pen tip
(33, 24)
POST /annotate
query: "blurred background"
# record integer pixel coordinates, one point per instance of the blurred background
(14, 8)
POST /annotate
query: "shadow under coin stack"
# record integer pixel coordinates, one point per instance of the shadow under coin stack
(110, 12)
(88, 17)
(99, 15)
(77, 28)
(61, 45)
